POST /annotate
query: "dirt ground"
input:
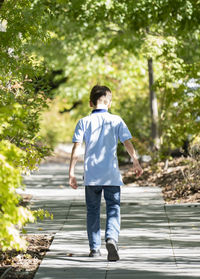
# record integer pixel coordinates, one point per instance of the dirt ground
(23, 265)
(180, 181)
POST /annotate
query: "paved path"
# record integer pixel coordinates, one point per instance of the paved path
(157, 241)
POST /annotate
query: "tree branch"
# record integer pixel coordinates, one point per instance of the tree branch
(75, 104)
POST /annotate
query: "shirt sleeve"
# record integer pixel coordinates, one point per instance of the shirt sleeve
(78, 133)
(124, 133)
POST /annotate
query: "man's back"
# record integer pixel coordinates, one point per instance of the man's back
(101, 131)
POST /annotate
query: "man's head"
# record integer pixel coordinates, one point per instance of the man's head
(100, 95)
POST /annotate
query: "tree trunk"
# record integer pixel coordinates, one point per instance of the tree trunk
(154, 109)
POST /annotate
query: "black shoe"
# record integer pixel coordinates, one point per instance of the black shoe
(111, 246)
(94, 253)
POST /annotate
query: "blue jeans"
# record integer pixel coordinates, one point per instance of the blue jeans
(93, 203)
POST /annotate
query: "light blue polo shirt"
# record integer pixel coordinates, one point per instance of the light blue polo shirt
(101, 131)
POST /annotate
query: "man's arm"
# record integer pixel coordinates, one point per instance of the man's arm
(131, 151)
(74, 158)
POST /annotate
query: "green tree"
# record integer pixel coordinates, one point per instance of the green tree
(21, 103)
(144, 28)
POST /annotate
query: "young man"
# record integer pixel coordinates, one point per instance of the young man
(101, 131)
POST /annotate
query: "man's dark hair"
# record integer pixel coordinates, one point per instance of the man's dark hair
(98, 91)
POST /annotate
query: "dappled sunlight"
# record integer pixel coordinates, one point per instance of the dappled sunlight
(146, 238)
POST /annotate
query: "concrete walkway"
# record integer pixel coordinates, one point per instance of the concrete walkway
(156, 240)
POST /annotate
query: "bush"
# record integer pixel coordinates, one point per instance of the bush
(12, 216)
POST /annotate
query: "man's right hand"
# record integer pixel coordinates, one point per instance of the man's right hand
(73, 182)
(73, 160)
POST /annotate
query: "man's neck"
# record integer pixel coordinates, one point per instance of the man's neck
(101, 106)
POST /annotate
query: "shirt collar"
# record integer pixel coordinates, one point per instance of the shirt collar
(99, 110)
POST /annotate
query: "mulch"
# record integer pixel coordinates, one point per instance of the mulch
(23, 265)
(180, 181)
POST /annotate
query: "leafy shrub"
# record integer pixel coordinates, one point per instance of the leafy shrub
(12, 216)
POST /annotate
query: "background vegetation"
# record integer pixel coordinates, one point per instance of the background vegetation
(53, 52)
